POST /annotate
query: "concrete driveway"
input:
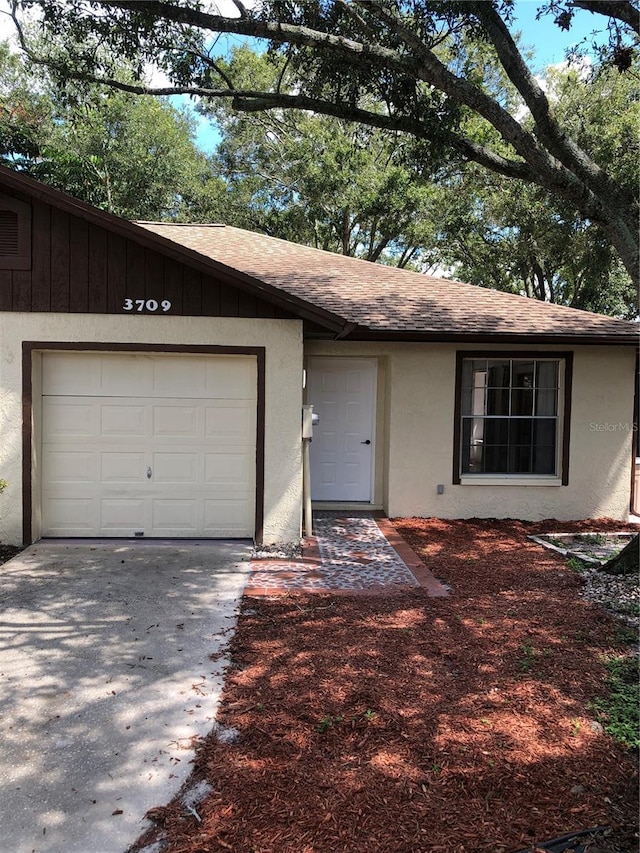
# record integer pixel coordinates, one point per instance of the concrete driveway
(109, 668)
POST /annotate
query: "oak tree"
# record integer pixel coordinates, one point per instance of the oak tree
(400, 65)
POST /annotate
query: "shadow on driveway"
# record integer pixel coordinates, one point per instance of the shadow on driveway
(109, 669)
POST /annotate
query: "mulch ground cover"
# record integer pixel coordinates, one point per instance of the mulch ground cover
(398, 723)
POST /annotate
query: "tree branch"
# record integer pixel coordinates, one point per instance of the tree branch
(255, 102)
(276, 31)
(621, 10)
(558, 143)
(424, 66)
(549, 158)
(242, 9)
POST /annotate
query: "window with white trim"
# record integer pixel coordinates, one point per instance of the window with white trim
(509, 416)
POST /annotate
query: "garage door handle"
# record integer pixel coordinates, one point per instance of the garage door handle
(148, 473)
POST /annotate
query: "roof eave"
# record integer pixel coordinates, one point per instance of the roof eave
(362, 333)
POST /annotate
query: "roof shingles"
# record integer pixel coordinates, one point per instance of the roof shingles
(385, 299)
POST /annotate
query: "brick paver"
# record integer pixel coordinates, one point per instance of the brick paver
(349, 553)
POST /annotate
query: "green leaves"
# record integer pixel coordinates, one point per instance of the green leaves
(619, 711)
(133, 156)
(315, 179)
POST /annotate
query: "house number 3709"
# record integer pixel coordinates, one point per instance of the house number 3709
(146, 305)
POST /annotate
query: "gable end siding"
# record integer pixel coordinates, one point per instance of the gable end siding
(79, 267)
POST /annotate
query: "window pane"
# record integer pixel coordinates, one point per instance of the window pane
(523, 374)
(521, 431)
(472, 445)
(467, 373)
(496, 431)
(467, 401)
(496, 459)
(544, 432)
(499, 374)
(474, 377)
(497, 401)
(520, 459)
(546, 402)
(522, 401)
(478, 365)
(473, 371)
(547, 374)
(544, 460)
(473, 399)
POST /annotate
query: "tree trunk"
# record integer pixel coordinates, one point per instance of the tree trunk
(627, 562)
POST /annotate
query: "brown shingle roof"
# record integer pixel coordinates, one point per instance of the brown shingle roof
(350, 297)
(386, 299)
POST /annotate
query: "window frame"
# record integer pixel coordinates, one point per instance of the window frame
(22, 259)
(564, 420)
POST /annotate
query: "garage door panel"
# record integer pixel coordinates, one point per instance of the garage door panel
(122, 516)
(99, 444)
(176, 468)
(174, 517)
(69, 466)
(123, 419)
(65, 373)
(72, 517)
(176, 421)
(179, 377)
(235, 380)
(66, 419)
(230, 420)
(119, 467)
(123, 375)
(228, 518)
(229, 469)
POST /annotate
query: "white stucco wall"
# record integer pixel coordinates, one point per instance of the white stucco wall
(282, 340)
(418, 436)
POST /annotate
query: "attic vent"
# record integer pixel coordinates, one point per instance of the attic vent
(9, 243)
(15, 234)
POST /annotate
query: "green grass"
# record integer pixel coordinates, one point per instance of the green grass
(576, 565)
(619, 712)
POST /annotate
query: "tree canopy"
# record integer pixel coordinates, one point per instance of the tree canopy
(133, 156)
(402, 65)
(514, 236)
(323, 181)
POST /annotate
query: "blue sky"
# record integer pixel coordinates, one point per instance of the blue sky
(547, 40)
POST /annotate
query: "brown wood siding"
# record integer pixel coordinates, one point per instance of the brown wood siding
(60, 262)
(84, 268)
(41, 257)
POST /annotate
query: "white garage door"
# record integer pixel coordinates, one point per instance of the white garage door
(148, 445)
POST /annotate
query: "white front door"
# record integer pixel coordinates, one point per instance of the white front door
(343, 393)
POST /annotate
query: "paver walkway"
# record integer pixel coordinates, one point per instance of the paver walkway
(349, 553)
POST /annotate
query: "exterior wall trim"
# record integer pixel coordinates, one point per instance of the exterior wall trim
(477, 338)
(30, 347)
(566, 356)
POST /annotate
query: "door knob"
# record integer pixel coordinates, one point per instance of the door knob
(148, 473)
(368, 441)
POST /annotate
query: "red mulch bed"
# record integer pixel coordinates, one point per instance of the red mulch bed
(400, 723)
